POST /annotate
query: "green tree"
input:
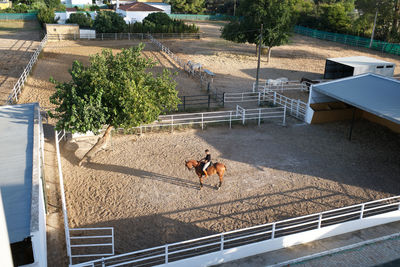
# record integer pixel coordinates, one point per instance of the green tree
(159, 18)
(187, 6)
(53, 3)
(275, 15)
(114, 90)
(335, 18)
(46, 15)
(108, 21)
(82, 19)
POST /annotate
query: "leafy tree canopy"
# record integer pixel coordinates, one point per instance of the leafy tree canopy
(46, 15)
(115, 90)
(158, 18)
(275, 15)
(82, 19)
(187, 6)
(108, 22)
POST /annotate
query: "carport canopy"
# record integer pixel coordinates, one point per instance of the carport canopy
(373, 93)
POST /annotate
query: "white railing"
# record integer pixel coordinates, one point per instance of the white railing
(215, 117)
(281, 86)
(193, 69)
(242, 97)
(78, 239)
(120, 36)
(223, 246)
(296, 107)
(13, 97)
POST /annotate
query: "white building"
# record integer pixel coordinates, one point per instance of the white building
(336, 68)
(62, 16)
(136, 12)
(80, 3)
(21, 184)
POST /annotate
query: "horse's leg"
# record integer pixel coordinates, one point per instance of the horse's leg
(201, 181)
(221, 178)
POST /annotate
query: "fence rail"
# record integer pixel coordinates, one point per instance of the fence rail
(242, 97)
(80, 240)
(199, 101)
(351, 40)
(122, 36)
(281, 86)
(205, 118)
(295, 107)
(13, 97)
(237, 238)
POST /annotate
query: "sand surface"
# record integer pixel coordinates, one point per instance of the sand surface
(18, 42)
(142, 188)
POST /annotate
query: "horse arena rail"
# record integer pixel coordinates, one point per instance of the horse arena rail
(239, 115)
(277, 85)
(82, 242)
(123, 36)
(295, 108)
(254, 240)
(199, 101)
(13, 97)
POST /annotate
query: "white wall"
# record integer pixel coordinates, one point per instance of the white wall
(136, 16)
(81, 2)
(388, 72)
(5, 250)
(315, 97)
(165, 7)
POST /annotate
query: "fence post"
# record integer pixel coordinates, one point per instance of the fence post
(230, 124)
(166, 253)
(102, 36)
(184, 103)
(319, 220)
(297, 108)
(259, 98)
(259, 116)
(103, 264)
(209, 100)
(275, 99)
(244, 116)
(222, 242)
(273, 231)
(202, 120)
(284, 116)
(172, 123)
(291, 106)
(362, 211)
(223, 99)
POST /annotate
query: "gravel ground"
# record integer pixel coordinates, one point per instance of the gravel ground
(142, 189)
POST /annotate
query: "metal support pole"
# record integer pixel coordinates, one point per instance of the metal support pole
(284, 116)
(172, 123)
(222, 242)
(166, 253)
(184, 103)
(352, 124)
(244, 116)
(273, 231)
(230, 122)
(362, 211)
(259, 98)
(209, 101)
(259, 117)
(275, 99)
(259, 56)
(298, 107)
(319, 220)
(202, 120)
(223, 99)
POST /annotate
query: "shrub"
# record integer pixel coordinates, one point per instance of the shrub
(20, 8)
(108, 21)
(159, 18)
(82, 19)
(46, 15)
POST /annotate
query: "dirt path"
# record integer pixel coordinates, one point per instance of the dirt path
(18, 41)
(235, 64)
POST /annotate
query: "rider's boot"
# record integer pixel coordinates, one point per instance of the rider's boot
(205, 172)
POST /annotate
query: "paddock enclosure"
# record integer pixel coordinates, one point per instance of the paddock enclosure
(141, 187)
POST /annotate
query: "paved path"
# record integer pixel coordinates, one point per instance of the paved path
(312, 254)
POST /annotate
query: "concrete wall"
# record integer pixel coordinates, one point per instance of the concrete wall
(55, 31)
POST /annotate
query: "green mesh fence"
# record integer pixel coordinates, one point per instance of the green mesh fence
(18, 16)
(200, 17)
(349, 40)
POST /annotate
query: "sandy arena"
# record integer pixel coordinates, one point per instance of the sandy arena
(141, 187)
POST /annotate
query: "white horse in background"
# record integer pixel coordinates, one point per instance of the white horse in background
(193, 67)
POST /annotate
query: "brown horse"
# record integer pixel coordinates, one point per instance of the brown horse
(216, 168)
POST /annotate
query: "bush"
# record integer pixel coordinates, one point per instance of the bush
(20, 8)
(82, 19)
(46, 15)
(108, 22)
(159, 18)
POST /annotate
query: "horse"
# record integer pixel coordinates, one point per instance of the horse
(216, 168)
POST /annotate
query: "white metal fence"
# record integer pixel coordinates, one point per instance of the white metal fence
(121, 36)
(13, 97)
(204, 118)
(295, 107)
(281, 86)
(242, 97)
(82, 242)
(219, 245)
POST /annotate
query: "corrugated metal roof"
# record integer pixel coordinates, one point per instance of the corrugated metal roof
(360, 61)
(376, 94)
(16, 155)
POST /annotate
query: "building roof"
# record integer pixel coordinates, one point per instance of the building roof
(137, 7)
(16, 165)
(359, 61)
(70, 9)
(373, 93)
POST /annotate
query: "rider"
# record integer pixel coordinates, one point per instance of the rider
(206, 160)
